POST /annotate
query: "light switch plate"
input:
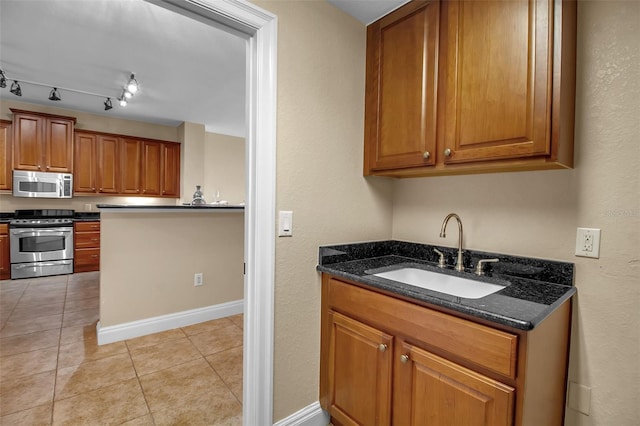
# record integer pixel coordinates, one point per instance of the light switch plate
(588, 242)
(580, 398)
(285, 224)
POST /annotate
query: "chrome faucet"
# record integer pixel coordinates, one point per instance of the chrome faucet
(459, 266)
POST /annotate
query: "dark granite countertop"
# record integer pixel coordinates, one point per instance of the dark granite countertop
(210, 207)
(6, 217)
(534, 287)
(86, 217)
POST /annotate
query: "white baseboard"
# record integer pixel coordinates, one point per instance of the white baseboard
(311, 415)
(129, 330)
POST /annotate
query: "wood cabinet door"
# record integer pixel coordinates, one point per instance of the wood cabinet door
(131, 158)
(359, 372)
(6, 160)
(58, 145)
(430, 390)
(84, 175)
(5, 263)
(152, 168)
(401, 85)
(497, 79)
(27, 142)
(171, 170)
(108, 149)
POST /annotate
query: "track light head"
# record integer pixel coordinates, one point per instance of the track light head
(54, 95)
(122, 100)
(3, 80)
(15, 88)
(107, 104)
(132, 85)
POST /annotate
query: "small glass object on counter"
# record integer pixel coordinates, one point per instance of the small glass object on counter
(198, 197)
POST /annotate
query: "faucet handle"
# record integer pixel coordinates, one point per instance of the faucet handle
(481, 262)
(441, 262)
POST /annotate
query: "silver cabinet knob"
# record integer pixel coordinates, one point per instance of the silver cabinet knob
(447, 152)
(426, 155)
(382, 347)
(404, 358)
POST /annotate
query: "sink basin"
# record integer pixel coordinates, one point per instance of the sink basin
(454, 286)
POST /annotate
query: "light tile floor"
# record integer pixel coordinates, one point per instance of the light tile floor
(52, 372)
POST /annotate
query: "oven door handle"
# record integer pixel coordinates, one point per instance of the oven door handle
(31, 265)
(53, 232)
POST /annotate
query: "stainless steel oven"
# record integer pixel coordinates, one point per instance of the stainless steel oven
(41, 243)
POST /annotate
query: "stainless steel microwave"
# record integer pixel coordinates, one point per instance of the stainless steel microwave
(42, 184)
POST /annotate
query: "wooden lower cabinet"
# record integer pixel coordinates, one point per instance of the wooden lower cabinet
(360, 360)
(431, 390)
(86, 250)
(5, 262)
(389, 361)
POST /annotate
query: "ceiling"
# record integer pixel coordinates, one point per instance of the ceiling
(187, 70)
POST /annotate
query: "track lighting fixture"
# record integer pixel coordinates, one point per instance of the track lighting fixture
(15, 88)
(132, 85)
(54, 95)
(130, 89)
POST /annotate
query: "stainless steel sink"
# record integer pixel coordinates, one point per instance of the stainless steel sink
(443, 283)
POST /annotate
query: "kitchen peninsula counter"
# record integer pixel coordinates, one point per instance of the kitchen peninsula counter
(163, 267)
(130, 208)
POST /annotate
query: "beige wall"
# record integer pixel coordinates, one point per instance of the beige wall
(148, 261)
(224, 168)
(319, 177)
(320, 125)
(536, 213)
(192, 137)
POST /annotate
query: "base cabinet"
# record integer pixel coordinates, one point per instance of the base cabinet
(360, 360)
(388, 361)
(431, 390)
(86, 250)
(5, 262)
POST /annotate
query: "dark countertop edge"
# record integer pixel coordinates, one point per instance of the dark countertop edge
(421, 296)
(160, 207)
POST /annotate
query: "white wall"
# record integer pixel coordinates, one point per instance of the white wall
(536, 213)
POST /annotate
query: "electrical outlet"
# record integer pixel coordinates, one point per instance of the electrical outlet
(588, 242)
(198, 279)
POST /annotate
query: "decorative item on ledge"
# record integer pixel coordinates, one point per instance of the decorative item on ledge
(130, 89)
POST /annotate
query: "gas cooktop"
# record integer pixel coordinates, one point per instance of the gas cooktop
(40, 218)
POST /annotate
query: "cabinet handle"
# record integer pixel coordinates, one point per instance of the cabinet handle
(47, 167)
(94, 239)
(447, 152)
(426, 155)
(404, 358)
(382, 347)
(93, 189)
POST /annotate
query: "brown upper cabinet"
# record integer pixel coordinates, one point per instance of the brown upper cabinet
(458, 87)
(121, 165)
(131, 161)
(5, 155)
(161, 169)
(42, 142)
